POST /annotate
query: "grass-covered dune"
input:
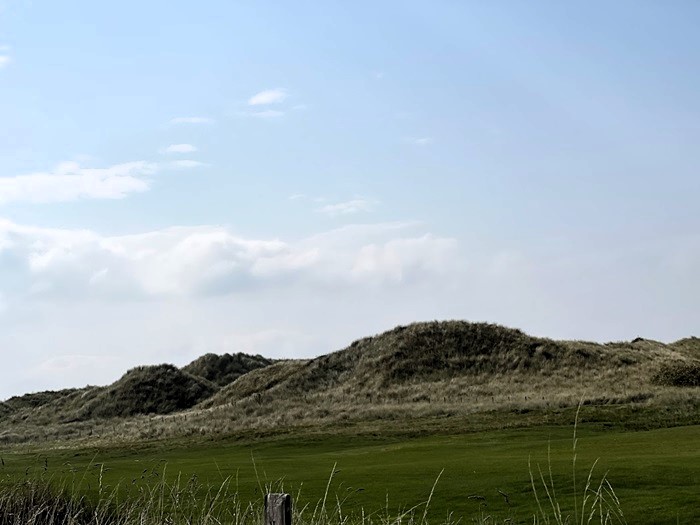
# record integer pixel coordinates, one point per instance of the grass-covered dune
(455, 371)
(225, 369)
(158, 389)
(144, 390)
(466, 371)
(402, 365)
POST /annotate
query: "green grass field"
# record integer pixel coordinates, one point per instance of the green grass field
(655, 474)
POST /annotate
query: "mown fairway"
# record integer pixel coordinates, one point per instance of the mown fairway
(656, 474)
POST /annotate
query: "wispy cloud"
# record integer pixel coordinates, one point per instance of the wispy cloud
(185, 164)
(269, 96)
(192, 120)
(70, 181)
(421, 141)
(268, 113)
(4, 56)
(179, 148)
(347, 208)
(319, 199)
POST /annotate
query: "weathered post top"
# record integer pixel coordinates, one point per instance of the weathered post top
(278, 509)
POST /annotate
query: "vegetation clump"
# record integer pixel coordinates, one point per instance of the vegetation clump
(35, 399)
(690, 346)
(39, 501)
(35, 502)
(679, 373)
(159, 389)
(226, 368)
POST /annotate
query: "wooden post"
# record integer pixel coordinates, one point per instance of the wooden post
(278, 509)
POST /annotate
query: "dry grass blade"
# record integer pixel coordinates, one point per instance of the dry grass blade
(430, 497)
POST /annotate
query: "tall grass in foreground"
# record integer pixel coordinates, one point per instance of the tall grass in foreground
(599, 504)
(42, 501)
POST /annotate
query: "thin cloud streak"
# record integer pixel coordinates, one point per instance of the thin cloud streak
(269, 96)
(421, 141)
(185, 164)
(179, 148)
(350, 207)
(192, 120)
(268, 113)
(70, 181)
(5, 58)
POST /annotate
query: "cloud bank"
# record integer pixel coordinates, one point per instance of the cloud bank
(212, 260)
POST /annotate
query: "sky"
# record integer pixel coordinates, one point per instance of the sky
(283, 178)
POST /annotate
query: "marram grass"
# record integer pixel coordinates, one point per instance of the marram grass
(42, 500)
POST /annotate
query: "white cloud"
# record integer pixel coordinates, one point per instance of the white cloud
(261, 114)
(268, 113)
(192, 120)
(5, 56)
(179, 148)
(347, 208)
(399, 258)
(421, 141)
(185, 164)
(209, 260)
(306, 198)
(70, 181)
(269, 96)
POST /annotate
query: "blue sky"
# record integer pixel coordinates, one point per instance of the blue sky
(284, 177)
